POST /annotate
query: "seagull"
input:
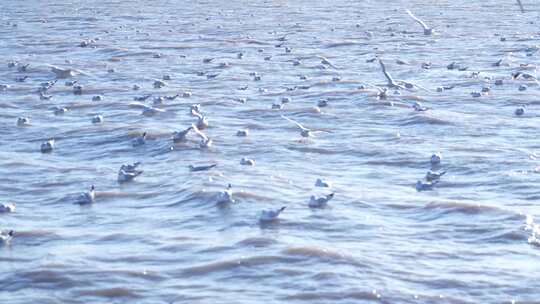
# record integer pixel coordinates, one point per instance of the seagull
(305, 132)
(427, 30)
(421, 186)
(202, 122)
(9, 207)
(322, 103)
(87, 197)
(130, 167)
(63, 73)
(180, 136)
(201, 168)
(158, 84)
(5, 237)
(325, 61)
(139, 141)
(23, 121)
(151, 111)
(417, 106)
(127, 175)
(47, 146)
(195, 108)
(205, 141)
(319, 202)
(270, 215)
(321, 183)
(433, 176)
(242, 133)
(97, 119)
(247, 162)
(225, 196)
(436, 159)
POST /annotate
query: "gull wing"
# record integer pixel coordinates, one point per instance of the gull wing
(521, 6)
(388, 77)
(201, 134)
(417, 20)
(294, 122)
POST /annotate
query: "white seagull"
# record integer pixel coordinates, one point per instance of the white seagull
(436, 159)
(139, 141)
(305, 132)
(433, 175)
(319, 202)
(87, 197)
(5, 237)
(427, 30)
(126, 175)
(321, 183)
(421, 186)
(23, 121)
(8, 207)
(47, 146)
(226, 196)
(270, 215)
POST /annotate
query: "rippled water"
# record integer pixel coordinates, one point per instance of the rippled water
(162, 238)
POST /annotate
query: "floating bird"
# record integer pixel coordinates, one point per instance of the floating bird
(97, 119)
(130, 167)
(321, 183)
(433, 175)
(139, 141)
(242, 133)
(128, 173)
(321, 201)
(322, 103)
(158, 84)
(427, 30)
(151, 111)
(6, 237)
(59, 110)
(270, 215)
(87, 197)
(194, 168)
(417, 106)
(23, 121)
(305, 132)
(226, 196)
(97, 98)
(421, 186)
(181, 136)
(8, 207)
(436, 159)
(247, 162)
(47, 146)
(520, 111)
(63, 73)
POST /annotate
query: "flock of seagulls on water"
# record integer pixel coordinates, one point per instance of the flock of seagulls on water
(129, 172)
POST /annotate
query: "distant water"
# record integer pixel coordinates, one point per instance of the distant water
(162, 239)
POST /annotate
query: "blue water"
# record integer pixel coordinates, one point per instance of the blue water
(163, 239)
